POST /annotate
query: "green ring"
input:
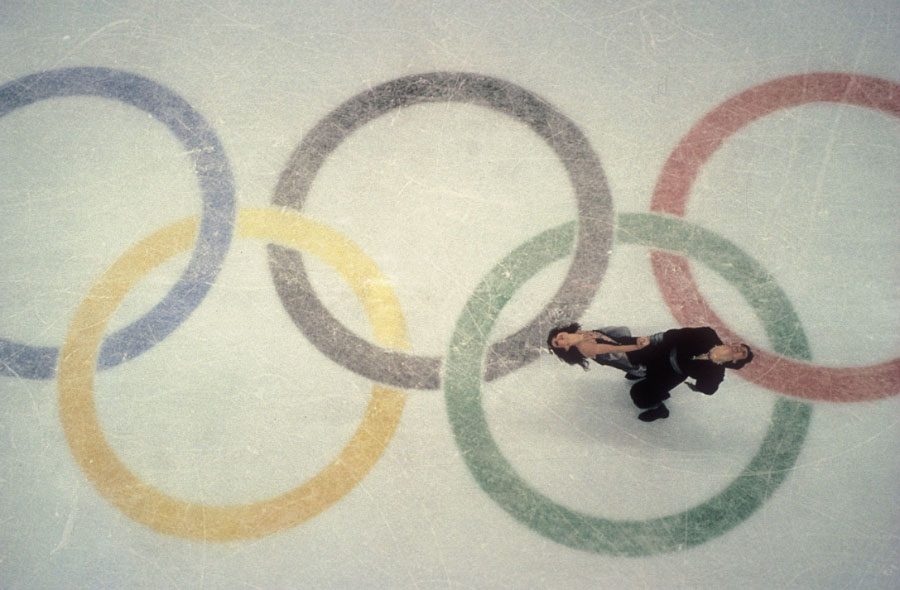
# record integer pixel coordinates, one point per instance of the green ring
(753, 486)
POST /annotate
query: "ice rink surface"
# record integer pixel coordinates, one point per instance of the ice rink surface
(276, 275)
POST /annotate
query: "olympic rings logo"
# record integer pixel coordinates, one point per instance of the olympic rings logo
(471, 358)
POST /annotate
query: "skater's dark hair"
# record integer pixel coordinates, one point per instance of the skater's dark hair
(737, 365)
(572, 356)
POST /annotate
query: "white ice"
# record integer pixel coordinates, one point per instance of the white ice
(236, 406)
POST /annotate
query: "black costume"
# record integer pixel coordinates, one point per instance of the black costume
(672, 360)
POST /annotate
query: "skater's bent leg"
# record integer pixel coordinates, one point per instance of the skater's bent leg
(648, 393)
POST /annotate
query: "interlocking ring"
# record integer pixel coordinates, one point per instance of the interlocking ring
(772, 371)
(469, 354)
(149, 506)
(589, 260)
(496, 476)
(213, 173)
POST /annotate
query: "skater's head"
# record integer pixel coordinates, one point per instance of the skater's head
(731, 356)
(558, 342)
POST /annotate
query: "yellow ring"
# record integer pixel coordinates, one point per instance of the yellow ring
(161, 512)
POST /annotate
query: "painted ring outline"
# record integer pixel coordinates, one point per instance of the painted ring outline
(161, 512)
(578, 289)
(672, 272)
(759, 479)
(215, 179)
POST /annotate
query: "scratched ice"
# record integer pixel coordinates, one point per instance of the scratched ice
(483, 153)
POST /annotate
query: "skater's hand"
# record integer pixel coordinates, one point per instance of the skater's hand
(642, 342)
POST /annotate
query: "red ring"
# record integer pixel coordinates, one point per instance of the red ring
(673, 274)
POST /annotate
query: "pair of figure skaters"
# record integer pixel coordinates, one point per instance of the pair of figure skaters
(657, 363)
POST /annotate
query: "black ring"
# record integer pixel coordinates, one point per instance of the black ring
(594, 238)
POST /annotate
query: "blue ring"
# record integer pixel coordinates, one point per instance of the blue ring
(216, 224)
